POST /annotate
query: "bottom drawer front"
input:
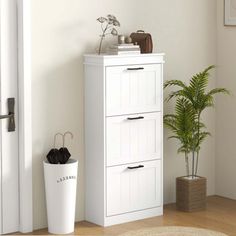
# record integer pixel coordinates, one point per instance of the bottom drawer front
(133, 187)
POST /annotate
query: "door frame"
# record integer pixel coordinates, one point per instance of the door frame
(23, 40)
(25, 117)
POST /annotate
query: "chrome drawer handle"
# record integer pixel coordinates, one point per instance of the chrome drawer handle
(137, 68)
(135, 118)
(135, 167)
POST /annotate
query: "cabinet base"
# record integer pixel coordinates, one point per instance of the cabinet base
(132, 216)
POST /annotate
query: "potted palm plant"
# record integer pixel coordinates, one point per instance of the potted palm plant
(188, 128)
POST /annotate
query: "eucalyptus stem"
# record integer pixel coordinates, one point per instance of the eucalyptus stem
(100, 45)
(102, 37)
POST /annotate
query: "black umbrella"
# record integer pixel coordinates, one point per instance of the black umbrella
(65, 154)
(54, 156)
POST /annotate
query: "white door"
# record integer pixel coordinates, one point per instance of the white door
(133, 187)
(133, 138)
(9, 192)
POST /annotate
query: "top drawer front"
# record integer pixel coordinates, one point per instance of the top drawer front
(133, 89)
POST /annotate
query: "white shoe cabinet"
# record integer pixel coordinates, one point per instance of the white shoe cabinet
(123, 137)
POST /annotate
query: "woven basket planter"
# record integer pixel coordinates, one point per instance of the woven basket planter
(191, 194)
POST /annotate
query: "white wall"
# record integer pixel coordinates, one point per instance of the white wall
(226, 110)
(62, 31)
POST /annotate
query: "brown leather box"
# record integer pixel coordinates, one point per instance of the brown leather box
(144, 40)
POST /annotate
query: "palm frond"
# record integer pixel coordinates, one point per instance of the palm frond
(174, 94)
(218, 90)
(182, 123)
(178, 83)
(202, 137)
(169, 116)
(174, 136)
(209, 68)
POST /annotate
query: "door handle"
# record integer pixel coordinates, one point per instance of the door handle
(11, 115)
(137, 68)
(135, 167)
(135, 118)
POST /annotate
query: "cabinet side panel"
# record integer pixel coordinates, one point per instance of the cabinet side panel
(94, 143)
(162, 131)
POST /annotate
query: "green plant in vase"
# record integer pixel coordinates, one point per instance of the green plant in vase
(186, 123)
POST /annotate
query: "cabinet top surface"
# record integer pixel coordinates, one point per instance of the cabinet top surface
(106, 59)
(107, 56)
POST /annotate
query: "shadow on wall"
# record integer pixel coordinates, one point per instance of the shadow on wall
(59, 102)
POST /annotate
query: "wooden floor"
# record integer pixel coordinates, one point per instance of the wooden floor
(220, 216)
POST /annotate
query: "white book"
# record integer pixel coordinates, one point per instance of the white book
(112, 52)
(124, 49)
(124, 46)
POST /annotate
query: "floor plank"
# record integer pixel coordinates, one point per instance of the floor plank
(220, 216)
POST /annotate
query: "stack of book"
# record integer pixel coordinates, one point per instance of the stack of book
(121, 49)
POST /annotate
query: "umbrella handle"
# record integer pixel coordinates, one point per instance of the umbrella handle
(64, 137)
(55, 138)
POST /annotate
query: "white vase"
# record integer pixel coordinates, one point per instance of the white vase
(60, 185)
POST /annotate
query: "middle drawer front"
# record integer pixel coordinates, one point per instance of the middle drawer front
(133, 138)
